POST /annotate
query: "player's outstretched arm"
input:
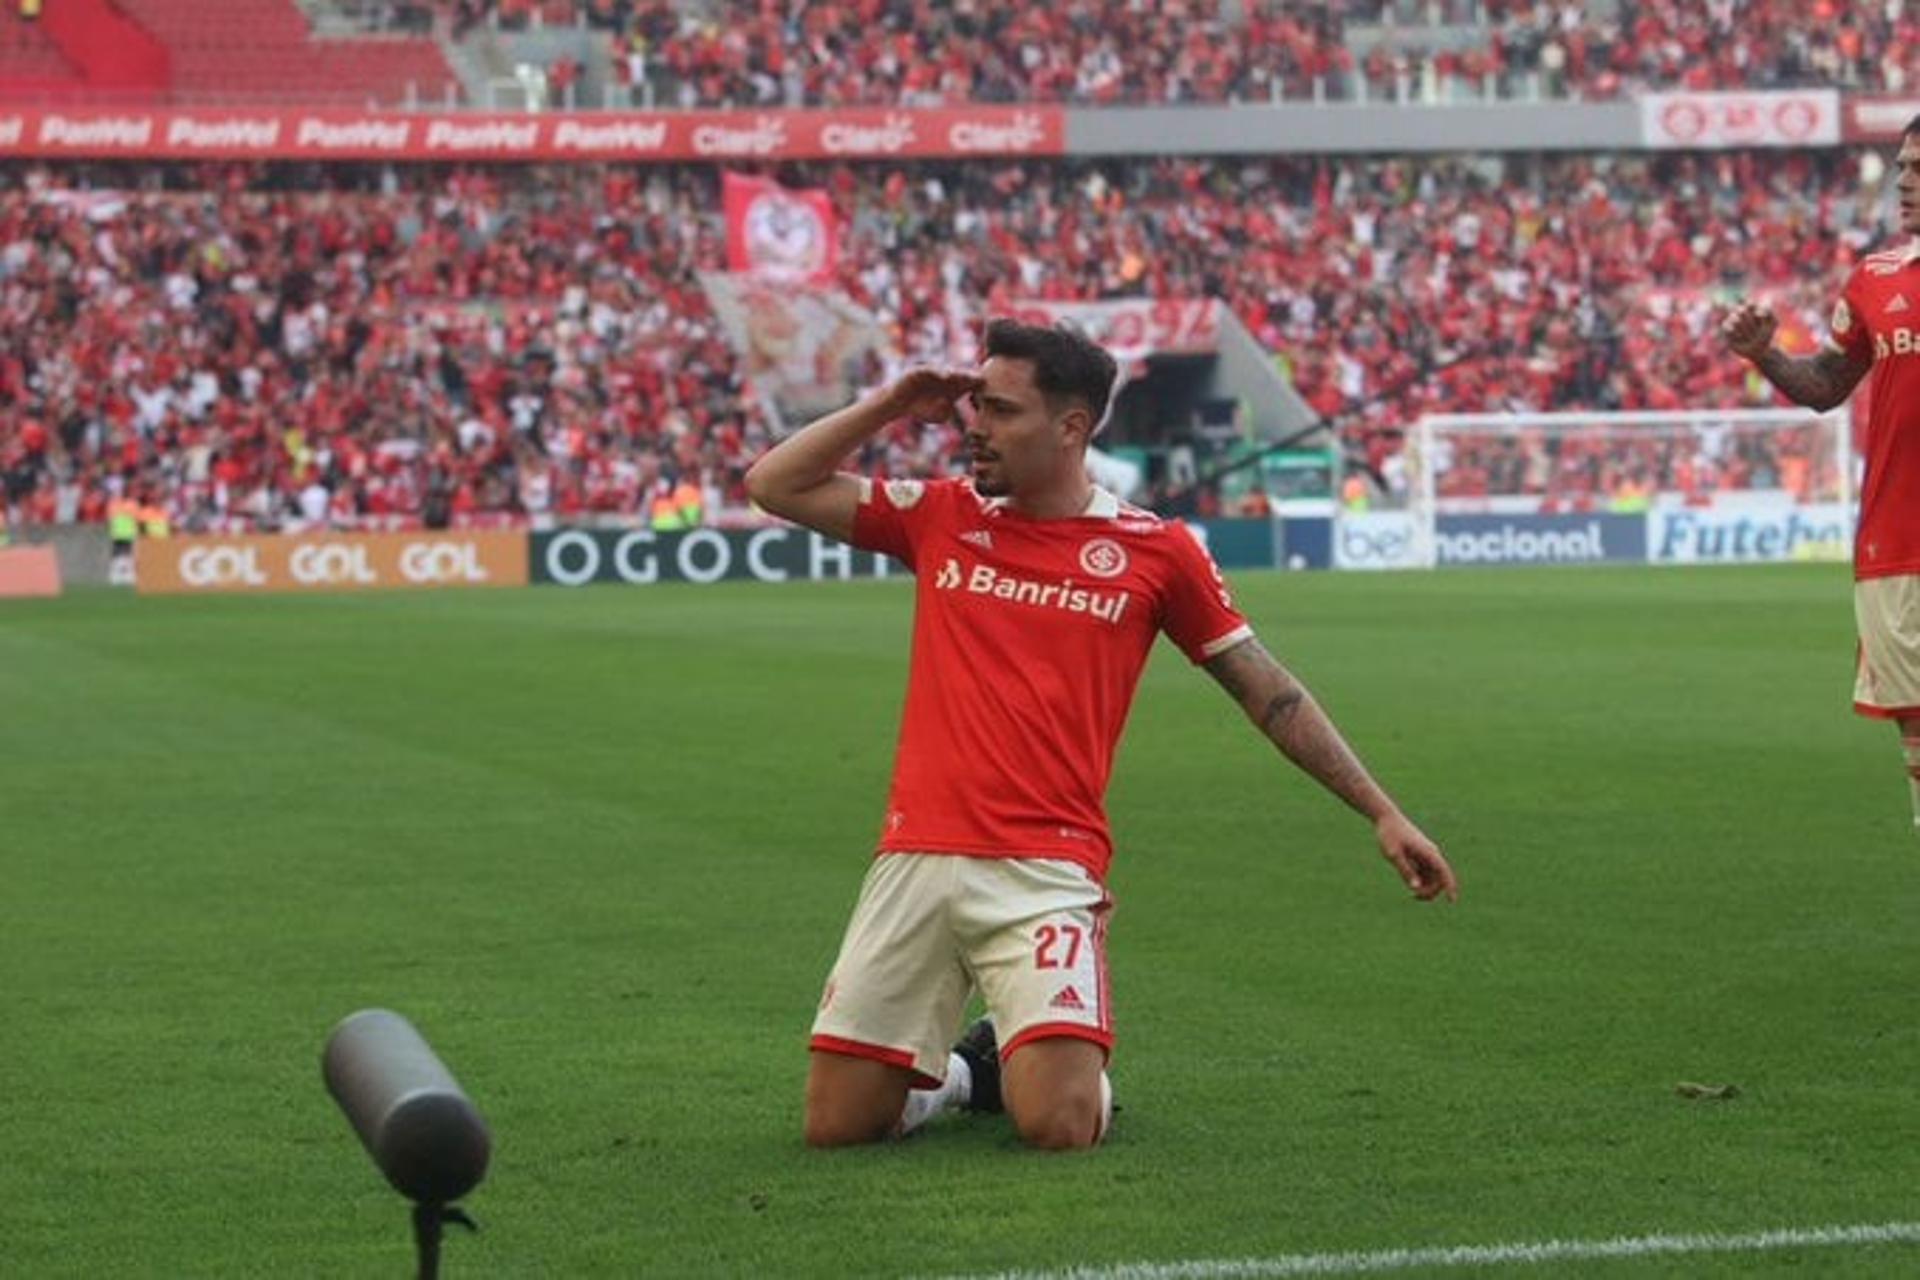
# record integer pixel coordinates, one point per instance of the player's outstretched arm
(1280, 706)
(800, 479)
(1821, 381)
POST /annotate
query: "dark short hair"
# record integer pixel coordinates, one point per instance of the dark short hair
(1913, 127)
(1067, 364)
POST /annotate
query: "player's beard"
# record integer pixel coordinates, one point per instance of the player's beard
(990, 477)
(991, 486)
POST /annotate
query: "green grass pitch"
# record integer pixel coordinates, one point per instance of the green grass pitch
(599, 846)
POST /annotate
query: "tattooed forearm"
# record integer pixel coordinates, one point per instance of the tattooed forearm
(1288, 715)
(1233, 670)
(1279, 710)
(1820, 381)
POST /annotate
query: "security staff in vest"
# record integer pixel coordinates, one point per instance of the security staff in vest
(155, 522)
(123, 524)
(676, 505)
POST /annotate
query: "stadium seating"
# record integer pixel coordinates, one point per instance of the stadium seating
(32, 68)
(257, 51)
(887, 52)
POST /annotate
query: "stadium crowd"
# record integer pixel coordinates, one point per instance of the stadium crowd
(1601, 467)
(250, 346)
(902, 52)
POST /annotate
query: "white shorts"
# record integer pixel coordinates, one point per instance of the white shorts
(1887, 681)
(929, 929)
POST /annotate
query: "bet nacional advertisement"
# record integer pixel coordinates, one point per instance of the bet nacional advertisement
(1461, 541)
(1376, 540)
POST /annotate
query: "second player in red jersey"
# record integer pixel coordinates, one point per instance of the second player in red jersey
(1875, 330)
(1876, 325)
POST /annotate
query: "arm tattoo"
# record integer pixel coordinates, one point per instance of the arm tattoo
(1290, 718)
(1820, 381)
(1234, 669)
(1280, 708)
(1246, 670)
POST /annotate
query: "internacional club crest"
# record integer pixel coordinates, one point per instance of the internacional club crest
(1103, 558)
(786, 237)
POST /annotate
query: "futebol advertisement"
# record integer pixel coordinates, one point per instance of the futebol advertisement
(1817, 531)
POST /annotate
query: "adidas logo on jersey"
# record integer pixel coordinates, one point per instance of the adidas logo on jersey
(985, 580)
(1898, 305)
(979, 538)
(1067, 998)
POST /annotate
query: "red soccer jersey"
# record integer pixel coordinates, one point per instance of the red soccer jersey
(1028, 641)
(1879, 317)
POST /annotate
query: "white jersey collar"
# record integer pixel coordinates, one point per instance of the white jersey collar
(1101, 505)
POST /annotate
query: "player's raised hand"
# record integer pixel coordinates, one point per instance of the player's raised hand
(1417, 859)
(929, 394)
(1748, 330)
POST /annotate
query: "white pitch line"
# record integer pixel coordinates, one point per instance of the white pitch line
(1359, 1263)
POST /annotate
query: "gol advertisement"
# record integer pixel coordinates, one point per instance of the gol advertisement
(330, 562)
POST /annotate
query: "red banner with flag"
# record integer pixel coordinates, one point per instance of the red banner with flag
(780, 233)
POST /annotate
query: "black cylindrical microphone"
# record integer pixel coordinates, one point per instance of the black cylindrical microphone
(421, 1129)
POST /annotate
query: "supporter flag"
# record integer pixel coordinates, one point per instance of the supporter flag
(780, 234)
(803, 345)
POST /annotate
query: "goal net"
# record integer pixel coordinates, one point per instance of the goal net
(1707, 482)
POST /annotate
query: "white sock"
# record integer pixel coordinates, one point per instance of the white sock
(924, 1104)
(1106, 1109)
(1910, 749)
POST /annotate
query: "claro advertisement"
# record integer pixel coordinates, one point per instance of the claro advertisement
(336, 562)
(633, 136)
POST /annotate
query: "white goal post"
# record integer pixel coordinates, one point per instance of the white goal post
(1531, 465)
